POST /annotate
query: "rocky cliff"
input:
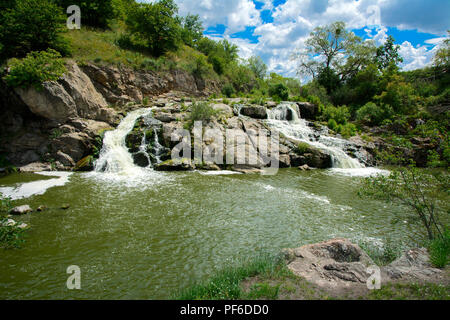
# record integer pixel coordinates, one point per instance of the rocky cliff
(55, 127)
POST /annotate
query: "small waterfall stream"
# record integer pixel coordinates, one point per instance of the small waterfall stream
(285, 119)
(114, 156)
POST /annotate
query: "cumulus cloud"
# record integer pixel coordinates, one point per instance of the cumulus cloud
(295, 19)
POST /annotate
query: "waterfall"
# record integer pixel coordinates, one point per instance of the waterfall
(114, 156)
(285, 111)
(284, 118)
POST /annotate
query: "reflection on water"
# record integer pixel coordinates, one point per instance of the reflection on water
(146, 240)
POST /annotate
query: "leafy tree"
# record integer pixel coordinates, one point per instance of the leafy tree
(372, 114)
(442, 57)
(32, 25)
(366, 84)
(400, 95)
(241, 77)
(334, 48)
(257, 66)
(388, 54)
(279, 91)
(416, 190)
(94, 13)
(155, 26)
(192, 30)
(328, 79)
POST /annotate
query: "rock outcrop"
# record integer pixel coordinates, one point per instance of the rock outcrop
(339, 265)
(56, 127)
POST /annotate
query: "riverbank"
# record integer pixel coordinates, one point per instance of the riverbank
(275, 277)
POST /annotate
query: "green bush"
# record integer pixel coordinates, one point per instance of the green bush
(332, 124)
(201, 111)
(279, 91)
(35, 68)
(439, 249)
(228, 90)
(154, 26)
(347, 130)
(340, 114)
(32, 25)
(303, 148)
(384, 255)
(10, 236)
(372, 114)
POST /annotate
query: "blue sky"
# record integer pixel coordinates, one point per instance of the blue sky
(275, 29)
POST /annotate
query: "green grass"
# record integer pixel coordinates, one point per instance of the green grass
(263, 278)
(226, 284)
(440, 251)
(382, 256)
(413, 291)
(11, 237)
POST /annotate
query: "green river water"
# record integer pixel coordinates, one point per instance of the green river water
(149, 236)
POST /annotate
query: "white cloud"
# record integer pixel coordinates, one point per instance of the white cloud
(295, 19)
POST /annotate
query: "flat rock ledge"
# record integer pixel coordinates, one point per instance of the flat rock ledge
(341, 267)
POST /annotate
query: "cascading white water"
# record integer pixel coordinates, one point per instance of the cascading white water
(285, 119)
(114, 156)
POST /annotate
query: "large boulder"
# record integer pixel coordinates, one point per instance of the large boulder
(414, 264)
(330, 264)
(72, 96)
(256, 112)
(308, 110)
(311, 156)
(89, 103)
(52, 102)
(223, 109)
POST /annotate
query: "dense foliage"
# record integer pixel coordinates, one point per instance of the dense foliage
(31, 25)
(34, 69)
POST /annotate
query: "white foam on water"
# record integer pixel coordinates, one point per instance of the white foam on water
(360, 172)
(29, 189)
(219, 173)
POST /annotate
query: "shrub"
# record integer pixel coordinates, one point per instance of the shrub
(440, 250)
(35, 68)
(383, 255)
(279, 91)
(303, 148)
(372, 114)
(339, 114)
(332, 124)
(347, 130)
(228, 90)
(32, 25)
(201, 111)
(11, 236)
(5, 205)
(418, 191)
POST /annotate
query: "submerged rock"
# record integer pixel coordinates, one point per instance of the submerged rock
(85, 164)
(41, 208)
(176, 165)
(21, 210)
